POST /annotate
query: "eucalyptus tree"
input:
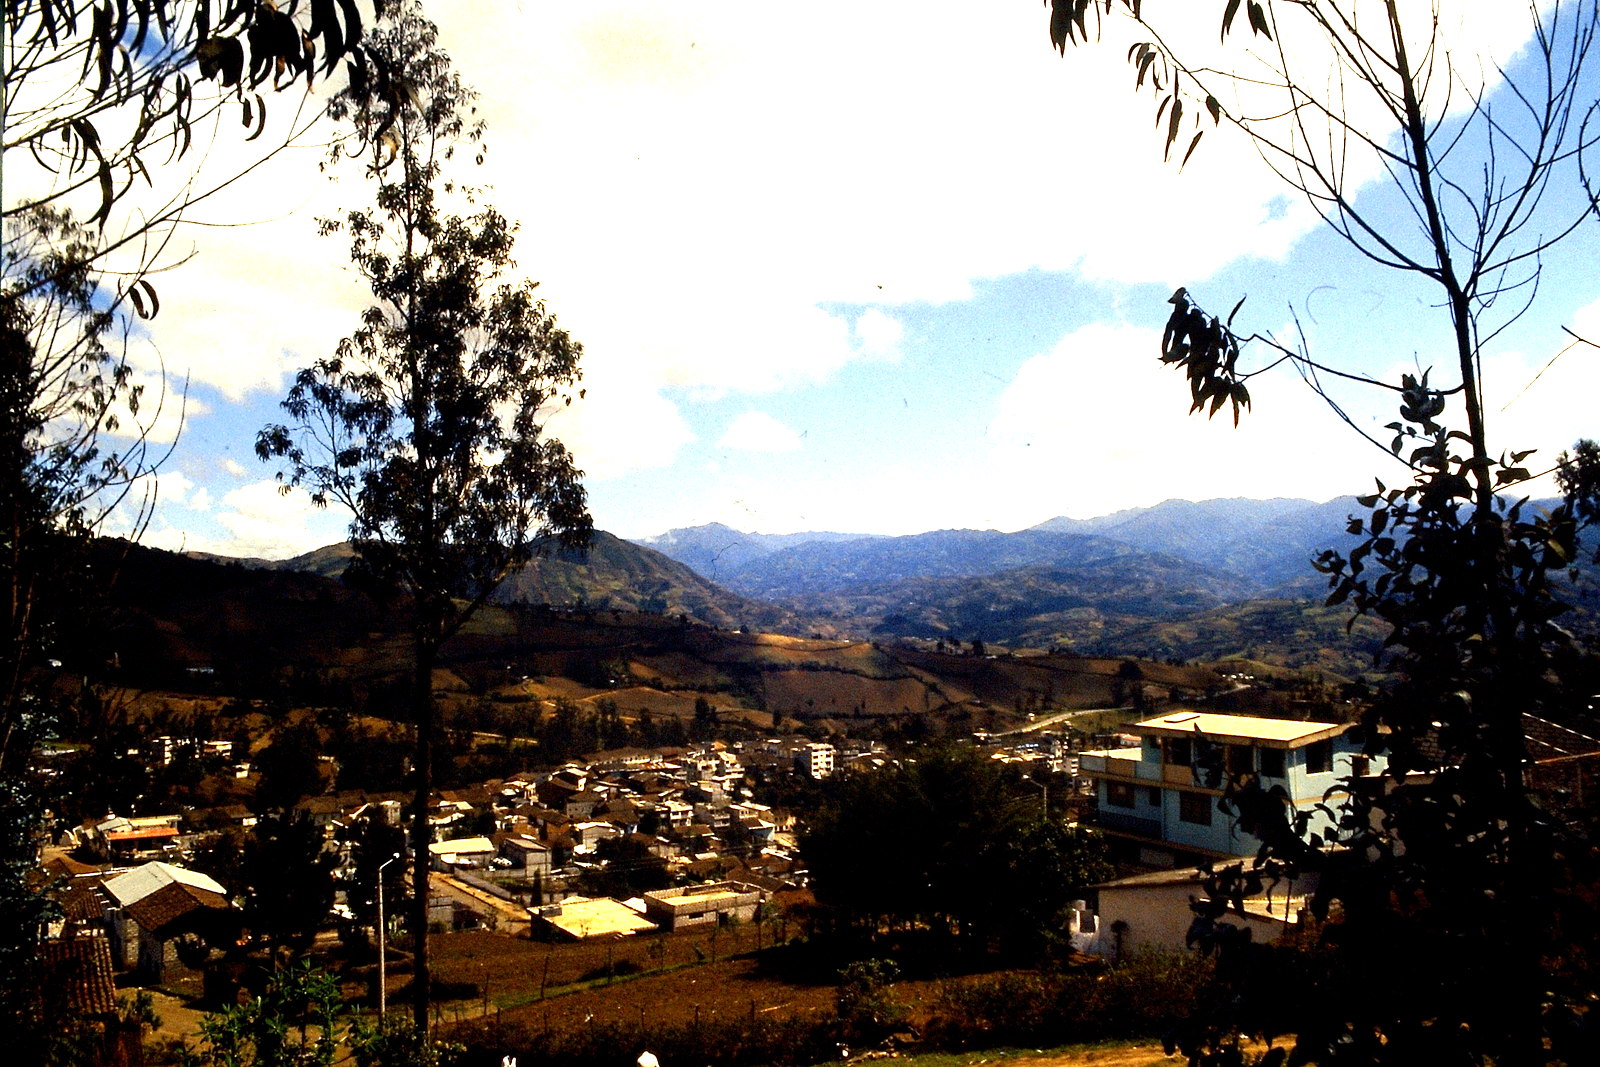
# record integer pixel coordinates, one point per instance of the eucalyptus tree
(427, 423)
(1451, 925)
(106, 95)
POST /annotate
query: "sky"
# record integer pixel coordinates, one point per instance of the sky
(879, 268)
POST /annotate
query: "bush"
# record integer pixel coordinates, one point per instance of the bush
(867, 1010)
(1147, 997)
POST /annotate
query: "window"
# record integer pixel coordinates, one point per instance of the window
(1119, 794)
(1319, 757)
(1152, 795)
(1272, 763)
(1194, 808)
(1241, 759)
(1178, 752)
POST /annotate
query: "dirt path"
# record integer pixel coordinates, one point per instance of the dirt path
(1141, 1055)
(177, 1018)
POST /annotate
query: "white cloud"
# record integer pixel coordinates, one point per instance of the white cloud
(698, 186)
(264, 521)
(172, 487)
(618, 427)
(1544, 400)
(1099, 421)
(689, 208)
(879, 335)
(164, 408)
(756, 431)
(234, 467)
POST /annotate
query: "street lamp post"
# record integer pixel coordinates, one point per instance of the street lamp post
(383, 936)
(1044, 794)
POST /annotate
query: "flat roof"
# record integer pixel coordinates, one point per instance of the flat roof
(1275, 733)
(461, 845)
(142, 834)
(584, 917)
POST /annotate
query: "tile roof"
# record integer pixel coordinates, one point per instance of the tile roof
(79, 969)
(80, 903)
(174, 908)
(1549, 740)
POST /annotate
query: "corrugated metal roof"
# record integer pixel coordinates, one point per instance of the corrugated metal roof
(132, 886)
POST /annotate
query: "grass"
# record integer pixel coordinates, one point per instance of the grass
(1097, 1054)
(523, 999)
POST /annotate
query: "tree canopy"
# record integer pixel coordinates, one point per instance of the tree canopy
(950, 844)
(1448, 887)
(427, 424)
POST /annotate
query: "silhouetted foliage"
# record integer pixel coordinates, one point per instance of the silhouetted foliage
(428, 422)
(950, 845)
(289, 768)
(1453, 909)
(374, 843)
(287, 872)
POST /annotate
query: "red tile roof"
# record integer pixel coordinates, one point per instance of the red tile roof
(79, 969)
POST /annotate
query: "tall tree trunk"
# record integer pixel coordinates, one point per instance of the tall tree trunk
(422, 769)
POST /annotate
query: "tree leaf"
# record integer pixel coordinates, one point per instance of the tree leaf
(1192, 146)
(1227, 18)
(1258, 20)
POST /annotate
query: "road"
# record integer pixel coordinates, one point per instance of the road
(1047, 721)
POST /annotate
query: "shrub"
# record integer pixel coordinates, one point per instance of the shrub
(1146, 997)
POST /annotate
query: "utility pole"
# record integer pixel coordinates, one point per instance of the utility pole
(383, 936)
(1044, 796)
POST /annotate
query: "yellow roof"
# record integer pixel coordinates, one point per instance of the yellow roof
(1248, 729)
(584, 917)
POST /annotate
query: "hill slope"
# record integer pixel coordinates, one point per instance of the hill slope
(614, 575)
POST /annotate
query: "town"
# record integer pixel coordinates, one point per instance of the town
(668, 856)
(578, 535)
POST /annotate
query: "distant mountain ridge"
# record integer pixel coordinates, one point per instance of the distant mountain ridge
(612, 575)
(713, 549)
(1266, 544)
(1180, 579)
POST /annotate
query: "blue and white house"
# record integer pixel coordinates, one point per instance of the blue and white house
(1160, 810)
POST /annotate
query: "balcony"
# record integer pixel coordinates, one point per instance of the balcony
(1132, 824)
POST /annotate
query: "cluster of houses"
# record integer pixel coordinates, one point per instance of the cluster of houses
(520, 855)
(511, 855)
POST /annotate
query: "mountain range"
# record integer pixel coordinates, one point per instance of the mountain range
(1182, 579)
(1258, 546)
(1088, 584)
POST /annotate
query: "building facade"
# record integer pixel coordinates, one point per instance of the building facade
(818, 759)
(1158, 802)
(702, 905)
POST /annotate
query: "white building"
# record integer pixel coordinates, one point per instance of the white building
(818, 759)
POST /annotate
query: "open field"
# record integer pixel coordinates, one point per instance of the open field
(1114, 1054)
